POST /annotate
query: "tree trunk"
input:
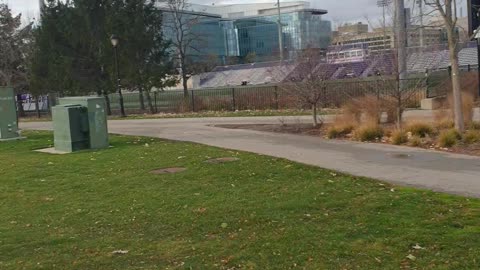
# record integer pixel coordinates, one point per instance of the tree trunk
(314, 114)
(51, 102)
(140, 96)
(37, 106)
(149, 102)
(456, 86)
(21, 111)
(184, 76)
(185, 84)
(399, 107)
(399, 115)
(107, 103)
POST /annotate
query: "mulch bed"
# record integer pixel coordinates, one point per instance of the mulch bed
(321, 131)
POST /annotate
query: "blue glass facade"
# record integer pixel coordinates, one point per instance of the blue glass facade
(239, 37)
(203, 32)
(301, 30)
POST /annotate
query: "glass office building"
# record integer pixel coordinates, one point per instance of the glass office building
(203, 32)
(301, 29)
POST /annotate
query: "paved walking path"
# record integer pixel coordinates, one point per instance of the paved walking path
(445, 172)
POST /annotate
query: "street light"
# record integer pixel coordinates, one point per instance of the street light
(115, 41)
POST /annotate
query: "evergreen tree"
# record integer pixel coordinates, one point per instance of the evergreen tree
(144, 50)
(15, 46)
(74, 55)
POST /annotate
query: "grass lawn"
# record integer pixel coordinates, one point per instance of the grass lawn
(73, 211)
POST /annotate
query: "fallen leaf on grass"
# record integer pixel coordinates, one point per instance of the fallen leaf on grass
(119, 252)
(417, 247)
(411, 257)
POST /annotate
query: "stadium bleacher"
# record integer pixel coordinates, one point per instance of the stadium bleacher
(419, 60)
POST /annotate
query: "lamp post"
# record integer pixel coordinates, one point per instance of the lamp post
(115, 40)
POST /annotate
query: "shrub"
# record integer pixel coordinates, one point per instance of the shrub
(352, 111)
(371, 108)
(415, 141)
(390, 106)
(471, 136)
(337, 131)
(449, 138)
(468, 101)
(474, 125)
(444, 124)
(369, 133)
(399, 137)
(420, 129)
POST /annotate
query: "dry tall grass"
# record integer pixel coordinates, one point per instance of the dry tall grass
(367, 108)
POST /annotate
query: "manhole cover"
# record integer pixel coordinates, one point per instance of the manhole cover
(401, 156)
(169, 170)
(222, 160)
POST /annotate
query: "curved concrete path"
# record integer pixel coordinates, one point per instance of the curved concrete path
(444, 172)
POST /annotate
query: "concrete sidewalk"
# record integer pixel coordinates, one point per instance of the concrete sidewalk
(444, 172)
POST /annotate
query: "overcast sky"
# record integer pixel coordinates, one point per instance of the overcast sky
(339, 10)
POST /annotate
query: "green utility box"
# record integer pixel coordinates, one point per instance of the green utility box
(70, 127)
(74, 126)
(97, 119)
(8, 115)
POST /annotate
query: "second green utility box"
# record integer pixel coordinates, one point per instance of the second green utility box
(8, 115)
(85, 118)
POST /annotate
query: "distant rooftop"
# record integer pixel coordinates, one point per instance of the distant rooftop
(243, 10)
(195, 13)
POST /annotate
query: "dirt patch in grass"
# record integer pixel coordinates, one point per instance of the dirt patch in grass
(169, 170)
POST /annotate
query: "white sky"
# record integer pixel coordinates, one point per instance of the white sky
(339, 10)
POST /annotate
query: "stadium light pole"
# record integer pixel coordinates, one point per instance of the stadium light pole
(280, 30)
(383, 4)
(401, 41)
(477, 38)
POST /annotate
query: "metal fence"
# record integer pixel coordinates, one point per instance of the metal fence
(266, 97)
(439, 81)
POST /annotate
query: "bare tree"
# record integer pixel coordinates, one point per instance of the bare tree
(308, 82)
(448, 10)
(180, 24)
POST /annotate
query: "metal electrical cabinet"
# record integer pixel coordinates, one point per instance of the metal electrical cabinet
(8, 115)
(97, 119)
(85, 119)
(70, 127)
